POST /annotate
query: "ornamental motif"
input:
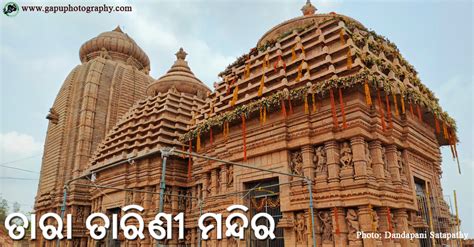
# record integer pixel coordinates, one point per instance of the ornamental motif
(346, 155)
(296, 163)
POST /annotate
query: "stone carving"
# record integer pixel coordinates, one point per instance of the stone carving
(80, 214)
(368, 156)
(181, 200)
(346, 155)
(319, 159)
(130, 61)
(326, 226)
(401, 166)
(208, 185)
(300, 228)
(230, 176)
(189, 195)
(188, 238)
(53, 116)
(375, 221)
(385, 163)
(353, 224)
(129, 198)
(296, 163)
(104, 53)
(167, 198)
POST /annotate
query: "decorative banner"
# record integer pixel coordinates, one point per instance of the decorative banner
(279, 63)
(306, 106)
(247, 70)
(343, 112)
(395, 104)
(333, 109)
(402, 100)
(349, 59)
(302, 50)
(418, 109)
(244, 137)
(368, 97)
(438, 130)
(313, 98)
(289, 103)
(300, 72)
(382, 115)
(235, 96)
(389, 111)
(198, 142)
(262, 83)
(341, 36)
(263, 115)
(411, 109)
(389, 220)
(283, 108)
(293, 54)
(336, 216)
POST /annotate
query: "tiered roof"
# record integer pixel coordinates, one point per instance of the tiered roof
(313, 53)
(157, 121)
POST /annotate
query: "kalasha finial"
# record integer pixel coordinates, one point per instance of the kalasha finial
(118, 29)
(308, 8)
(181, 54)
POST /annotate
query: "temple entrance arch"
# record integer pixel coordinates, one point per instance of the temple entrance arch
(264, 197)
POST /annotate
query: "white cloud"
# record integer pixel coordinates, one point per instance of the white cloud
(18, 144)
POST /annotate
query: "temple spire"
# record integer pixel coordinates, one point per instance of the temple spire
(308, 8)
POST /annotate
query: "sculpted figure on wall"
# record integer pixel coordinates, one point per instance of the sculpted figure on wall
(188, 200)
(353, 223)
(167, 198)
(296, 163)
(230, 176)
(319, 159)
(181, 200)
(300, 228)
(368, 156)
(346, 155)
(104, 53)
(326, 226)
(401, 166)
(129, 198)
(385, 163)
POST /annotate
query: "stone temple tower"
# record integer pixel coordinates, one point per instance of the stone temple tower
(113, 74)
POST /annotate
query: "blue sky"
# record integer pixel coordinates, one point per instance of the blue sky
(38, 50)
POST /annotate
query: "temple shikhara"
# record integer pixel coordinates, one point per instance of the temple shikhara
(321, 104)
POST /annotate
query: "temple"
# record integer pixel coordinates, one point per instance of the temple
(320, 100)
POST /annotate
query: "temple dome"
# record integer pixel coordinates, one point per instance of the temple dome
(181, 77)
(117, 45)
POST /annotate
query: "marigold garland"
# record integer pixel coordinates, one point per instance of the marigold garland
(322, 87)
(335, 122)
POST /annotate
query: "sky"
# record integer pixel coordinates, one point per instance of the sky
(38, 50)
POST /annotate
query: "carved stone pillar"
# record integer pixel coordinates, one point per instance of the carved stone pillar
(332, 153)
(377, 161)
(384, 226)
(223, 176)
(214, 181)
(360, 163)
(391, 154)
(174, 198)
(339, 226)
(365, 223)
(308, 166)
(147, 202)
(401, 219)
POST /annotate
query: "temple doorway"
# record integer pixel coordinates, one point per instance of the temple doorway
(265, 197)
